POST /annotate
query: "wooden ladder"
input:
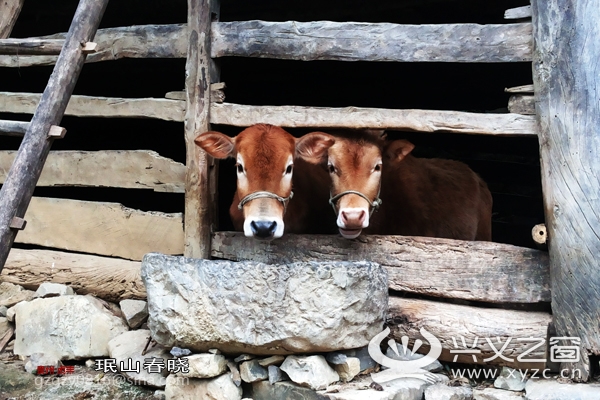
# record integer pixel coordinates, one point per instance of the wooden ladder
(39, 134)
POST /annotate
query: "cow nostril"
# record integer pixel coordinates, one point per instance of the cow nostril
(361, 216)
(263, 229)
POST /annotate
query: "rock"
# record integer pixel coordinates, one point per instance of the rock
(263, 390)
(496, 394)
(134, 312)
(405, 354)
(50, 289)
(12, 294)
(511, 379)
(273, 360)
(178, 352)
(309, 371)
(159, 395)
(72, 327)
(251, 371)
(214, 351)
(405, 388)
(243, 357)
(90, 364)
(205, 366)
(348, 370)
(367, 364)
(440, 391)
(14, 379)
(275, 374)
(235, 373)
(127, 349)
(4, 326)
(264, 309)
(220, 388)
(42, 360)
(336, 358)
(358, 394)
(546, 389)
(11, 312)
(3, 311)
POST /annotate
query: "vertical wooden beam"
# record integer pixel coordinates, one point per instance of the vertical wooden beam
(200, 190)
(22, 177)
(567, 90)
(8, 17)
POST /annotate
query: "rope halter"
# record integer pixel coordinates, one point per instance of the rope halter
(373, 205)
(268, 195)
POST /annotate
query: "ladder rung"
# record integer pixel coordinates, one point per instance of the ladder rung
(13, 128)
(28, 47)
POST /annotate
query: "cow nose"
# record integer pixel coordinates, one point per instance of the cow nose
(353, 218)
(263, 229)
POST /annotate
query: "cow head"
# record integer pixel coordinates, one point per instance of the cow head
(264, 157)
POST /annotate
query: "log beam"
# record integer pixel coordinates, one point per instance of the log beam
(13, 128)
(18, 188)
(518, 13)
(10, 12)
(478, 326)
(521, 104)
(28, 47)
(566, 82)
(354, 41)
(481, 271)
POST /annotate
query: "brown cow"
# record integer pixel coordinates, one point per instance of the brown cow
(415, 196)
(268, 160)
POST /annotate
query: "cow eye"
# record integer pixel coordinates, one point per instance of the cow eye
(331, 168)
(378, 167)
(288, 170)
(240, 168)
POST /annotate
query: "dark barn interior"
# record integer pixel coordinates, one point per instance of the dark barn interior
(510, 166)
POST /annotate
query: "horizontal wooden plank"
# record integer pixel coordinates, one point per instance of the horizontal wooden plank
(356, 117)
(13, 128)
(31, 46)
(521, 104)
(108, 229)
(136, 169)
(482, 271)
(354, 41)
(520, 89)
(88, 106)
(518, 13)
(139, 41)
(111, 279)
(450, 323)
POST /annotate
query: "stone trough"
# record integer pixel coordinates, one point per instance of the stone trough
(257, 308)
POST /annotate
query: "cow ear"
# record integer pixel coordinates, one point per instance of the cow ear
(216, 144)
(313, 147)
(397, 150)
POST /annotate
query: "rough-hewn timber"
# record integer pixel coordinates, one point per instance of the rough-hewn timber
(356, 117)
(483, 325)
(520, 89)
(521, 104)
(566, 81)
(108, 278)
(13, 128)
(31, 46)
(484, 271)
(10, 12)
(354, 41)
(518, 13)
(19, 185)
(136, 169)
(108, 229)
(139, 41)
(109, 107)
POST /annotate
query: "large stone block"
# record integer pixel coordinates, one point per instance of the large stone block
(258, 308)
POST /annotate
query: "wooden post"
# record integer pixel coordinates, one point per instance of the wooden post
(201, 171)
(8, 16)
(17, 190)
(566, 83)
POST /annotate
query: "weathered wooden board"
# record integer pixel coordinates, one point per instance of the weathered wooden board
(518, 13)
(566, 81)
(483, 271)
(109, 107)
(13, 128)
(18, 187)
(139, 41)
(356, 117)
(354, 41)
(31, 46)
(521, 104)
(111, 279)
(108, 229)
(10, 12)
(520, 89)
(200, 189)
(450, 323)
(136, 169)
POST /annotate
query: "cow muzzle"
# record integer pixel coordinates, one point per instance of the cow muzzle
(260, 226)
(351, 221)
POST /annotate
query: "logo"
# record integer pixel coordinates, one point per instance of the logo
(400, 368)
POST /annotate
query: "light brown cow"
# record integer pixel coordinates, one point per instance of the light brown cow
(269, 162)
(415, 196)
